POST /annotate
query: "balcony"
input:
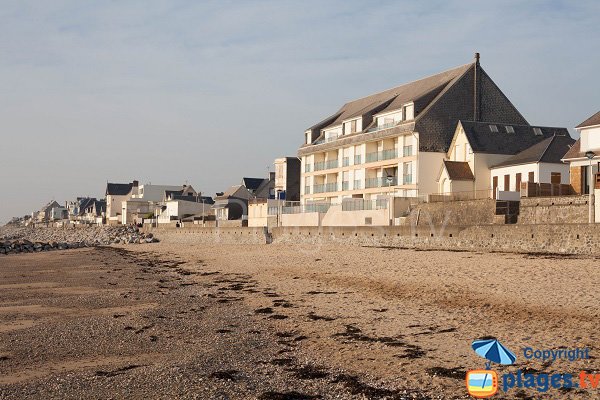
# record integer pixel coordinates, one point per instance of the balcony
(382, 127)
(381, 182)
(357, 159)
(382, 155)
(346, 162)
(408, 151)
(357, 184)
(324, 188)
(345, 185)
(321, 165)
(332, 164)
(407, 180)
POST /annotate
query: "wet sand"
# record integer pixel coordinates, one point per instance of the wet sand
(282, 321)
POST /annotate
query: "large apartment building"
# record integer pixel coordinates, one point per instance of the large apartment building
(394, 142)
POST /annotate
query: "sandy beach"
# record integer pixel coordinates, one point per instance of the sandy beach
(283, 321)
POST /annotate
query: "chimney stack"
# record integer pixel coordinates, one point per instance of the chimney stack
(476, 94)
(135, 184)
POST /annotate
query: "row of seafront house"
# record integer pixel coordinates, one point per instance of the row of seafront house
(448, 137)
(136, 204)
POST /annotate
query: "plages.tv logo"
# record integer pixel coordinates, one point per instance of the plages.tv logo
(483, 383)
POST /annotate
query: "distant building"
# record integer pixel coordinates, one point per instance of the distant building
(45, 214)
(144, 201)
(116, 195)
(232, 205)
(287, 178)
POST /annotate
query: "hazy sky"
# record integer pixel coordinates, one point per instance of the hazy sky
(208, 92)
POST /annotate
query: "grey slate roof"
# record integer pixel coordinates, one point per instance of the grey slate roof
(118, 189)
(459, 170)
(252, 183)
(549, 150)
(441, 100)
(591, 121)
(393, 98)
(574, 151)
(483, 140)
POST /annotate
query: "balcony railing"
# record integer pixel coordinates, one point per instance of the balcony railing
(306, 189)
(408, 151)
(307, 167)
(382, 127)
(332, 164)
(407, 179)
(357, 184)
(382, 155)
(321, 165)
(327, 187)
(361, 204)
(357, 159)
(346, 161)
(345, 185)
(381, 182)
(297, 208)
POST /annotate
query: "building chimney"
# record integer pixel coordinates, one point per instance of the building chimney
(135, 184)
(476, 88)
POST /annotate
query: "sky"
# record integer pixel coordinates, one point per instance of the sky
(169, 92)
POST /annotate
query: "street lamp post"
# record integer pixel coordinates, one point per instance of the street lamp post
(389, 179)
(592, 218)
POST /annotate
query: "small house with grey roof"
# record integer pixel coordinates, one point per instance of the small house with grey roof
(484, 158)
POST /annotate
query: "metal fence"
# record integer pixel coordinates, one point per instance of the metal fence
(381, 182)
(297, 208)
(361, 204)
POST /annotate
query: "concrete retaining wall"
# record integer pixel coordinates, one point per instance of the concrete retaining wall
(469, 212)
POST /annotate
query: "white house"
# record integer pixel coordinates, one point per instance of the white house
(540, 163)
(485, 157)
(145, 199)
(579, 163)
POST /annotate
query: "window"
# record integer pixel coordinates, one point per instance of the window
(555, 177)
(509, 129)
(518, 182)
(507, 182)
(353, 126)
(495, 185)
(531, 177)
(537, 131)
(493, 128)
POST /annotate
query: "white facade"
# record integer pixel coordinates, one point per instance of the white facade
(179, 209)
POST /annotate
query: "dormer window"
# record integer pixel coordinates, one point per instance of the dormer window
(408, 112)
(350, 127)
(509, 129)
(537, 131)
(493, 128)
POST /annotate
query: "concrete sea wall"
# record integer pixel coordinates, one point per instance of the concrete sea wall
(546, 238)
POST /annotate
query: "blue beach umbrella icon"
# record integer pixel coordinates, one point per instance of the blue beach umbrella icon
(492, 350)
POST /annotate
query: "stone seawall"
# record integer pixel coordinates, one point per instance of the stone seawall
(553, 210)
(551, 238)
(227, 235)
(548, 238)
